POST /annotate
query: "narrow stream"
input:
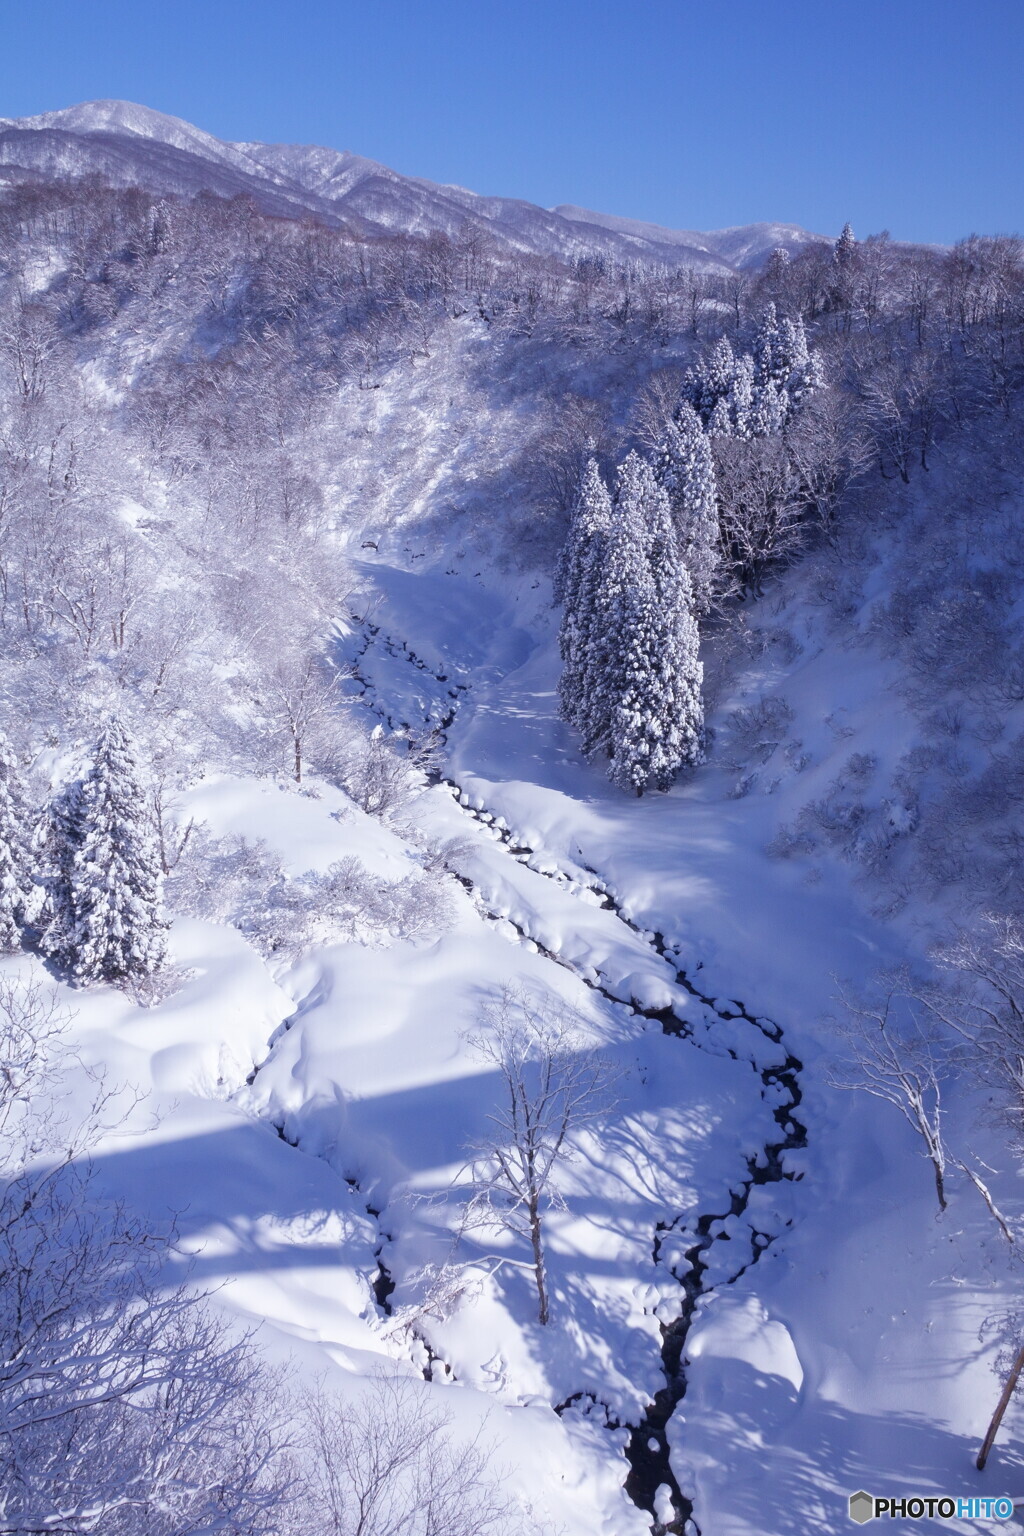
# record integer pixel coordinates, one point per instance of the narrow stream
(647, 1450)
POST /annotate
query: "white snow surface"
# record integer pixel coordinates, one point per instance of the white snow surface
(304, 1125)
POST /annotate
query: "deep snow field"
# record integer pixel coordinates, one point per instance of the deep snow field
(297, 1121)
(847, 1356)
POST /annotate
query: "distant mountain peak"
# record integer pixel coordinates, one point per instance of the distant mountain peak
(111, 116)
(126, 144)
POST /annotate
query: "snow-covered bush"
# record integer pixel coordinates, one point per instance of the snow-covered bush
(377, 776)
(239, 881)
(754, 731)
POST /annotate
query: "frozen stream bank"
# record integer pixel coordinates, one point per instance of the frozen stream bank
(681, 1242)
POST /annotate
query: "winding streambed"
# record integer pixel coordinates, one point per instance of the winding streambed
(647, 1450)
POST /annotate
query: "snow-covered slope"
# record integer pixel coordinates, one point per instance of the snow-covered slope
(825, 1345)
(755, 1310)
(129, 145)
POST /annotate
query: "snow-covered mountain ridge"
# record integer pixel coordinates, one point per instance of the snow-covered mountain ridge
(129, 145)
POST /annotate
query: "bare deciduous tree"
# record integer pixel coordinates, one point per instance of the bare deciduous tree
(124, 1405)
(894, 1055)
(655, 407)
(985, 1006)
(761, 506)
(376, 775)
(829, 448)
(387, 1464)
(551, 1084)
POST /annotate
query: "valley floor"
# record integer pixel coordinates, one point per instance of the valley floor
(777, 1234)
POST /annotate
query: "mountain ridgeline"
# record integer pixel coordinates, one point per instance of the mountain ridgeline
(124, 145)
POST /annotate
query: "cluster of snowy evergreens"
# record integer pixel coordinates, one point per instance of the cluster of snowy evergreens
(85, 878)
(830, 366)
(632, 679)
(642, 567)
(758, 392)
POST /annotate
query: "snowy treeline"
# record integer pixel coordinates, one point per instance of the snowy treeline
(180, 391)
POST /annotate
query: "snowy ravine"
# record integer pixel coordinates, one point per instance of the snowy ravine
(731, 1348)
(825, 1366)
(647, 1450)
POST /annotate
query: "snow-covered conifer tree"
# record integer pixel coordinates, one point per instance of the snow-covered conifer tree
(740, 400)
(15, 859)
(844, 259)
(643, 706)
(686, 471)
(770, 409)
(720, 420)
(785, 373)
(617, 565)
(578, 568)
(845, 247)
(672, 729)
(769, 357)
(717, 370)
(778, 269)
(106, 920)
(805, 371)
(692, 391)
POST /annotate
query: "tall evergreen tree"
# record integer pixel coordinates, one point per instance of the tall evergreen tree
(669, 733)
(804, 374)
(15, 858)
(635, 726)
(769, 363)
(845, 248)
(106, 920)
(686, 471)
(614, 571)
(740, 401)
(778, 271)
(770, 409)
(577, 575)
(785, 373)
(844, 261)
(643, 700)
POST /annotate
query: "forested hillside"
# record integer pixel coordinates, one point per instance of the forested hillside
(510, 849)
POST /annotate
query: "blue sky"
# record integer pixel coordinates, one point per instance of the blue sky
(898, 114)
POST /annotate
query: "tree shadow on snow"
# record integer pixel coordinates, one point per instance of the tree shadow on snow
(767, 1459)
